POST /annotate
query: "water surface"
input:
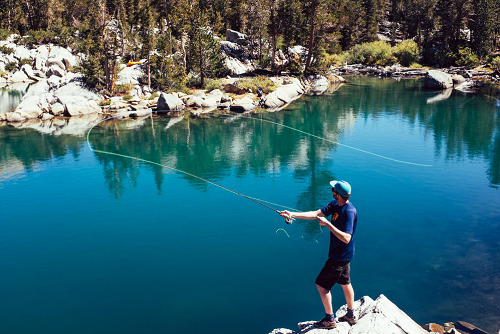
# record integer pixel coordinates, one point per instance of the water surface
(99, 243)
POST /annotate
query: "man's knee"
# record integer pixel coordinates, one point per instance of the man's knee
(322, 290)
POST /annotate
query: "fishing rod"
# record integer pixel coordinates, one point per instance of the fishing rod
(288, 220)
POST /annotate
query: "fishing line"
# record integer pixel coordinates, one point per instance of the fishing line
(337, 143)
(256, 200)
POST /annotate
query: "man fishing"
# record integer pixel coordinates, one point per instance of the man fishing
(341, 252)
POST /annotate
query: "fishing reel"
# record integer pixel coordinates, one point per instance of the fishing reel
(289, 220)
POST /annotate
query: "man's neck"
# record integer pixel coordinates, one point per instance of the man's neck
(342, 202)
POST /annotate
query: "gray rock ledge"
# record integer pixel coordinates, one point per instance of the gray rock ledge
(374, 317)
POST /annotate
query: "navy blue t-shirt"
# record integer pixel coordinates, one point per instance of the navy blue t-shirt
(345, 219)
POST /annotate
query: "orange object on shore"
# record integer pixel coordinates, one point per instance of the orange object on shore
(130, 63)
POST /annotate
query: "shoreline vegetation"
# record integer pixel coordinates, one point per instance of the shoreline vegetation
(59, 85)
(78, 52)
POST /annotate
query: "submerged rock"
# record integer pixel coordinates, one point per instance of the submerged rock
(469, 86)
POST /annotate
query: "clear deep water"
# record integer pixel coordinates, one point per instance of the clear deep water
(99, 243)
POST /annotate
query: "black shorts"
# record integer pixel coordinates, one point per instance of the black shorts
(334, 272)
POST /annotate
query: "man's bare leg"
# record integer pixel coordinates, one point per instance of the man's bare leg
(349, 295)
(326, 298)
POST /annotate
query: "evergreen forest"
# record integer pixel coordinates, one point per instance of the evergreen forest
(179, 38)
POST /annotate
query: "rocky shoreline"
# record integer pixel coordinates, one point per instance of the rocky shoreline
(382, 316)
(57, 93)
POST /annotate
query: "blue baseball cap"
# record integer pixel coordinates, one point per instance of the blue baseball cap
(342, 187)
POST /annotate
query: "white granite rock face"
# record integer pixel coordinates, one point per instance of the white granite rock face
(438, 80)
(317, 84)
(282, 95)
(242, 105)
(169, 102)
(130, 75)
(374, 317)
(215, 94)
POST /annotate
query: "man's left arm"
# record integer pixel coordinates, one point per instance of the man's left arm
(342, 236)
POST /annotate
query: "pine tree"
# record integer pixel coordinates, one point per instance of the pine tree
(204, 56)
(481, 27)
(371, 19)
(102, 46)
(446, 14)
(495, 23)
(167, 71)
(148, 36)
(321, 27)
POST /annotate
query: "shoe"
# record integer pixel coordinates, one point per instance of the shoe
(325, 324)
(351, 320)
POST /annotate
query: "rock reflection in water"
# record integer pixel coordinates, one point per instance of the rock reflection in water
(11, 95)
(75, 126)
(443, 95)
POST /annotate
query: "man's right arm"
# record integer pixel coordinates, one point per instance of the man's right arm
(309, 215)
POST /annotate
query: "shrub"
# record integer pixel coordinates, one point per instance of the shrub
(4, 33)
(6, 50)
(11, 66)
(415, 65)
(3, 73)
(127, 97)
(264, 61)
(374, 53)
(105, 103)
(293, 66)
(444, 57)
(123, 89)
(211, 84)
(467, 58)
(193, 81)
(495, 63)
(335, 59)
(406, 52)
(54, 34)
(252, 84)
(325, 60)
(25, 61)
(153, 96)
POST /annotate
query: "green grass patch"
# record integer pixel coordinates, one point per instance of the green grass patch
(252, 84)
(154, 96)
(4, 33)
(211, 84)
(127, 97)
(104, 103)
(123, 89)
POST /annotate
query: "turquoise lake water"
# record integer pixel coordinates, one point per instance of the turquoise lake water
(99, 243)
